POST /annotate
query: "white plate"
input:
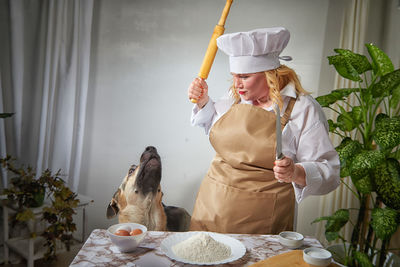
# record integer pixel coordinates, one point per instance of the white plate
(237, 248)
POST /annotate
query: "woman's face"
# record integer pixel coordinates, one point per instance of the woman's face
(252, 86)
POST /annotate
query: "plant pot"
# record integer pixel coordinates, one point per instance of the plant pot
(38, 199)
(337, 250)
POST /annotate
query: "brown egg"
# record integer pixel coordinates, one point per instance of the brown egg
(122, 232)
(136, 232)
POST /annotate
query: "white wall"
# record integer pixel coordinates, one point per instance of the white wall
(145, 54)
(391, 32)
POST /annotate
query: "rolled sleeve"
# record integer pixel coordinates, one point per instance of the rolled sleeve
(203, 117)
(320, 161)
(317, 184)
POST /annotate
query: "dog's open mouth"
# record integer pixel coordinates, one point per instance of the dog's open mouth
(149, 176)
(153, 163)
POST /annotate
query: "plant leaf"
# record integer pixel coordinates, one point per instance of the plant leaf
(387, 181)
(332, 126)
(381, 63)
(364, 162)
(322, 218)
(386, 84)
(327, 100)
(394, 100)
(345, 123)
(356, 114)
(345, 120)
(334, 223)
(380, 118)
(346, 151)
(331, 236)
(344, 67)
(344, 171)
(362, 259)
(384, 222)
(337, 220)
(334, 96)
(387, 131)
(359, 62)
(25, 215)
(364, 185)
(5, 115)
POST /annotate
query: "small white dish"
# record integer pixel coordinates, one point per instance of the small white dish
(291, 239)
(126, 243)
(317, 256)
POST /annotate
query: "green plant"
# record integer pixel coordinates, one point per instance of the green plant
(5, 115)
(368, 124)
(27, 191)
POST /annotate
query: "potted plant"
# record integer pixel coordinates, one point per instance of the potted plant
(368, 124)
(28, 191)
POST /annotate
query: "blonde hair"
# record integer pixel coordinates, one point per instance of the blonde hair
(277, 79)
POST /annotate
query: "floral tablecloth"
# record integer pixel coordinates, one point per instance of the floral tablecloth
(99, 251)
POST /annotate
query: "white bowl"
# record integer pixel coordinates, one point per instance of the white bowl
(317, 256)
(126, 243)
(291, 239)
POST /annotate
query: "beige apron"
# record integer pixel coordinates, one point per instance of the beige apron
(239, 194)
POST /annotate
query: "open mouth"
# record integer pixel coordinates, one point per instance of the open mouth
(153, 163)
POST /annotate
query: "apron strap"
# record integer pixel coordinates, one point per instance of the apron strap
(288, 111)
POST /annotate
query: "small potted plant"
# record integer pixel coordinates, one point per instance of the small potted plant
(27, 191)
(369, 127)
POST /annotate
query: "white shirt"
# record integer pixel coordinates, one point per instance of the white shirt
(305, 139)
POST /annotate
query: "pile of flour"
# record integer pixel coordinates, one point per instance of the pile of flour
(202, 248)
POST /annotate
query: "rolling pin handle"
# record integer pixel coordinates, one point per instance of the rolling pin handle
(212, 45)
(193, 100)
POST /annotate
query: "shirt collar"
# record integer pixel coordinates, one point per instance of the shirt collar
(289, 90)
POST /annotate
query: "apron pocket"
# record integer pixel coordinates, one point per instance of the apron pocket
(234, 210)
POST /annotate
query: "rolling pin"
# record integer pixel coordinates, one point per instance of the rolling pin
(212, 45)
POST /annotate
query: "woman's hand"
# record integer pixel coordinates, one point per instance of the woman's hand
(198, 90)
(286, 171)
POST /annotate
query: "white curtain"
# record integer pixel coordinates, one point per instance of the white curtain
(353, 32)
(49, 56)
(3, 151)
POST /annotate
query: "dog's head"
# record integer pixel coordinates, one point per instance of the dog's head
(141, 184)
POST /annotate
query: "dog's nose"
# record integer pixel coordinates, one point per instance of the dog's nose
(151, 149)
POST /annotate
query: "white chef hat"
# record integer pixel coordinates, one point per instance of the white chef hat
(254, 51)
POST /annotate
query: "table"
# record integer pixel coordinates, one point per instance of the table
(32, 248)
(99, 251)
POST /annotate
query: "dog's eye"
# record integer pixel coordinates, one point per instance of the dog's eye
(159, 190)
(132, 169)
(136, 191)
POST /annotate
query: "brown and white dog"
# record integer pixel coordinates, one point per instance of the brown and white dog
(139, 198)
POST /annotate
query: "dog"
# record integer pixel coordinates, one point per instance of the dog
(139, 198)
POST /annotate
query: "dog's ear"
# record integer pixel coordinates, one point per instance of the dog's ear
(112, 209)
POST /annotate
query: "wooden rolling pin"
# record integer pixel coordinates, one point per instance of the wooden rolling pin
(212, 45)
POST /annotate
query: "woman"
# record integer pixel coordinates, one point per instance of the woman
(246, 190)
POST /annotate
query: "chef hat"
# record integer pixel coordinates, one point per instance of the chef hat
(254, 51)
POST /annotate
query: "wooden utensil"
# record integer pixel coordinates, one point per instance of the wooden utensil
(212, 45)
(291, 258)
